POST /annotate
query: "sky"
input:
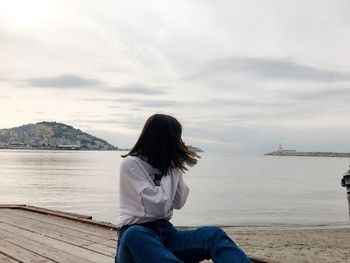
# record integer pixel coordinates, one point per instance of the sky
(241, 76)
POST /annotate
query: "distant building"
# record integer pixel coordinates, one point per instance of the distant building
(68, 147)
(281, 151)
(16, 145)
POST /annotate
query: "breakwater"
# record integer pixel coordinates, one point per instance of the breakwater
(309, 154)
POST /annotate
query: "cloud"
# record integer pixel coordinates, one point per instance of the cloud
(199, 103)
(272, 68)
(226, 102)
(74, 81)
(64, 81)
(94, 121)
(140, 102)
(338, 93)
(129, 121)
(162, 103)
(140, 89)
(122, 100)
(167, 103)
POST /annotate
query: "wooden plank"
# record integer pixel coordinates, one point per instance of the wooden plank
(93, 230)
(61, 237)
(58, 244)
(34, 224)
(20, 254)
(40, 248)
(44, 231)
(6, 259)
(103, 249)
(70, 224)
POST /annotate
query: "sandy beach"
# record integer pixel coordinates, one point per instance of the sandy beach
(291, 245)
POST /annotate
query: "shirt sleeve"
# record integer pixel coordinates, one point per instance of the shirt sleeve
(153, 198)
(181, 194)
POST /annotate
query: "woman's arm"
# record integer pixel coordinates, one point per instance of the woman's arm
(181, 194)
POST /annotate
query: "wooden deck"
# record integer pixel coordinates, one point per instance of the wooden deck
(31, 234)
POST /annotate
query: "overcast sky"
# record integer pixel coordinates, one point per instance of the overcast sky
(241, 76)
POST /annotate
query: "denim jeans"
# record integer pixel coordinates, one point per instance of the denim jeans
(160, 242)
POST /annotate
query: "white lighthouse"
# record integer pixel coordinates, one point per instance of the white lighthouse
(279, 148)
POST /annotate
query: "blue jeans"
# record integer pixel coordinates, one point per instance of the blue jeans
(160, 242)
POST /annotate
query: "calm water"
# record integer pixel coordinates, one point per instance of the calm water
(225, 189)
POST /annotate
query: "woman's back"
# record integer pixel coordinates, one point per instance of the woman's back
(144, 199)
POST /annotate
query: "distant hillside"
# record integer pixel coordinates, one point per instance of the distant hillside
(50, 135)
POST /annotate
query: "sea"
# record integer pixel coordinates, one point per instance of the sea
(225, 189)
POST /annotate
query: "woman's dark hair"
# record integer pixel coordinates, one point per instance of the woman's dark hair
(161, 146)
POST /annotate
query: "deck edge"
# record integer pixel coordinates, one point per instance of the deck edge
(72, 216)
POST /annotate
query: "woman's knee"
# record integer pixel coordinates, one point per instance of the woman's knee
(208, 233)
(214, 230)
(133, 233)
(215, 233)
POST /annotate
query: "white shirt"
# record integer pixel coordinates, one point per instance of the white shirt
(140, 200)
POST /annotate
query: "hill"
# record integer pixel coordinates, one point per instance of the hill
(51, 135)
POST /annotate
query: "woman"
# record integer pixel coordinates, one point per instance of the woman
(151, 186)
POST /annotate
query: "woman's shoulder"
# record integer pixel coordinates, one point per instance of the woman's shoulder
(130, 160)
(131, 165)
